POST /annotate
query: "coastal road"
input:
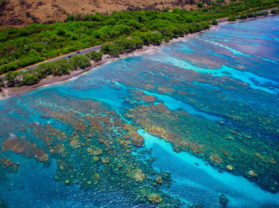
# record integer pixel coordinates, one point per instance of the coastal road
(222, 20)
(97, 48)
(69, 55)
(226, 18)
(80, 52)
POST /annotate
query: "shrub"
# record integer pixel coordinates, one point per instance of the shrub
(84, 61)
(61, 67)
(243, 16)
(153, 38)
(274, 11)
(232, 18)
(29, 78)
(11, 78)
(1, 83)
(111, 49)
(214, 22)
(200, 4)
(70, 18)
(80, 61)
(95, 56)
(122, 45)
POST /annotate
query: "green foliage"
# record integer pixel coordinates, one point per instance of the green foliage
(232, 18)
(29, 79)
(214, 22)
(77, 62)
(153, 38)
(70, 18)
(3, 2)
(11, 78)
(56, 68)
(123, 45)
(84, 61)
(200, 4)
(23, 47)
(95, 56)
(243, 16)
(274, 11)
(61, 67)
(1, 83)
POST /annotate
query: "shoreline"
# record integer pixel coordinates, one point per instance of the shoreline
(54, 80)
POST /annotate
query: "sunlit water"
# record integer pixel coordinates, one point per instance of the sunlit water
(219, 90)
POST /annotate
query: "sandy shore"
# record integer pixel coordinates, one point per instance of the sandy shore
(51, 80)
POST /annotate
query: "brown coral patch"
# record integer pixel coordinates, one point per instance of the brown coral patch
(95, 124)
(216, 158)
(160, 108)
(137, 140)
(44, 157)
(155, 198)
(148, 98)
(138, 175)
(6, 162)
(158, 131)
(74, 142)
(69, 117)
(195, 148)
(14, 145)
(139, 92)
(149, 86)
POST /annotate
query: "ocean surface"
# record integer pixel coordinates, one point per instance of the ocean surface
(196, 123)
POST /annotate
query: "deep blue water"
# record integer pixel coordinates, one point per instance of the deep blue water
(223, 82)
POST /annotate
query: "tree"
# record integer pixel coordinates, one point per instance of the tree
(154, 38)
(61, 67)
(70, 18)
(11, 77)
(29, 78)
(232, 18)
(111, 49)
(214, 22)
(274, 11)
(200, 4)
(1, 83)
(84, 61)
(95, 56)
(80, 61)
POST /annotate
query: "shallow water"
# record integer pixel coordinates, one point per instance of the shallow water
(207, 108)
(203, 179)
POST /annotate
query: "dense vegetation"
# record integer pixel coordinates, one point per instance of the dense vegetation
(56, 68)
(22, 47)
(119, 32)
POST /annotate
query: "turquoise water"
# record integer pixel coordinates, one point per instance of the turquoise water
(203, 179)
(174, 104)
(201, 114)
